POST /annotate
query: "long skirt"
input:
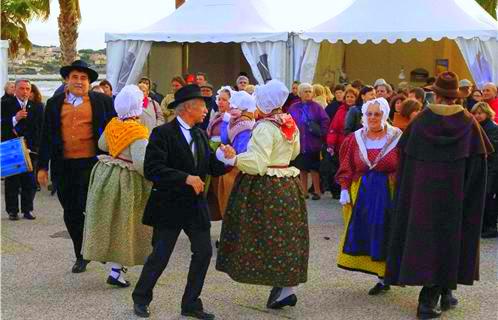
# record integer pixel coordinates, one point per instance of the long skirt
(264, 238)
(363, 245)
(219, 193)
(115, 205)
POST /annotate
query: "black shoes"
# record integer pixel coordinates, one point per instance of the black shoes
(287, 301)
(489, 233)
(198, 314)
(378, 289)
(13, 216)
(29, 216)
(116, 282)
(427, 303)
(315, 196)
(26, 215)
(272, 302)
(447, 300)
(80, 265)
(141, 310)
(425, 311)
(274, 293)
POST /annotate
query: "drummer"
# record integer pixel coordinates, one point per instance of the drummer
(21, 118)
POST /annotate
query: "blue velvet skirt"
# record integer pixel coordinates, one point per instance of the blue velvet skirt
(367, 233)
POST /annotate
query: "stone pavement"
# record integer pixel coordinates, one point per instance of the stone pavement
(37, 282)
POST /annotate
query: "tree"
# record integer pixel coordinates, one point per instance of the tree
(489, 5)
(14, 17)
(68, 20)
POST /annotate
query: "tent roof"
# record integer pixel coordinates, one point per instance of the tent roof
(406, 20)
(208, 21)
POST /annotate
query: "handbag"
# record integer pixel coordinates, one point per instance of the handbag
(313, 126)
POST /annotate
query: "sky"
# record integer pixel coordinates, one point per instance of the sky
(99, 17)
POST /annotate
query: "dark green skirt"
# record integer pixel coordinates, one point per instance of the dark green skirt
(264, 238)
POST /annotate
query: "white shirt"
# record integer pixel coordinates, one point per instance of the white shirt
(186, 131)
(21, 103)
(74, 100)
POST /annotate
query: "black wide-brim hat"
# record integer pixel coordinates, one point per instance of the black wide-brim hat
(82, 66)
(188, 92)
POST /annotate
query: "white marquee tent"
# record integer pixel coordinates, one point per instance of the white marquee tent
(284, 51)
(464, 21)
(258, 27)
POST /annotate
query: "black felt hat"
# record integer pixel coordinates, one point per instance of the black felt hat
(188, 92)
(82, 66)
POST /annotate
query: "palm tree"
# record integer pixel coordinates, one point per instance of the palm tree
(68, 20)
(489, 5)
(14, 17)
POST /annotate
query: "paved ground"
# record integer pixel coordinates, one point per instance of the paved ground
(37, 282)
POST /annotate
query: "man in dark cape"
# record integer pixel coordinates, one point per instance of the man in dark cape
(436, 225)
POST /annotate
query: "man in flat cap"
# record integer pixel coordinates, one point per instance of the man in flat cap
(73, 122)
(177, 161)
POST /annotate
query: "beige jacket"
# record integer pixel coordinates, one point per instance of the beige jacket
(152, 116)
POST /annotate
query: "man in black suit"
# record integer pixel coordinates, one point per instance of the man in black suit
(177, 161)
(21, 118)
(73, 123)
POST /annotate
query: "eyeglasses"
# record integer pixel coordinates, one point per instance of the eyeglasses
(373, 114)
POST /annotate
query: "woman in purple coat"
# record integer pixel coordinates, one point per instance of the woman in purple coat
(313, 124)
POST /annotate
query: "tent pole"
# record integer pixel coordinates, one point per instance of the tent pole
(185, 56)
(291, 60)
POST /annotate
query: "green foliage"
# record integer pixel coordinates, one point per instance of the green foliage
(14, 17)
(489, 5)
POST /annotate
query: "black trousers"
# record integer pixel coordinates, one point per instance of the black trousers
(163, 241)
(20, 185)
(490, 218)
(72, 189)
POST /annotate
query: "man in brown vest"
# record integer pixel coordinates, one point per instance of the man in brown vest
(73, 123)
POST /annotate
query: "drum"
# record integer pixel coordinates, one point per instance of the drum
(14, 158)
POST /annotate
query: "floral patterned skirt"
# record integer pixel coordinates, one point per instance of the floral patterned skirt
(264, 238)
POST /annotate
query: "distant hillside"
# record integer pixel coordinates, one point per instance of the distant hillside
(46, 60)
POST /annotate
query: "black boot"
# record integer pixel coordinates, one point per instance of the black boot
(447, 300)
(427, 303)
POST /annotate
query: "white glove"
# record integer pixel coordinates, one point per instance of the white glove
(330, 150)
(226, 117)
(220, 155)
(345, 199)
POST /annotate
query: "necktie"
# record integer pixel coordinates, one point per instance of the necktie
(194, 145)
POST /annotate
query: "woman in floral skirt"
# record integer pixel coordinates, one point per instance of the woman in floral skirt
(264, 238)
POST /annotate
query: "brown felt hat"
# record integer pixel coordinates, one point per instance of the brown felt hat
(447, 85)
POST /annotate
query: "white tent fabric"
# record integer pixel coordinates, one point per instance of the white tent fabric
(208, 21)
(268, 60)
(393, 20)
(305, 55)
(481, 58)
(125, 61)
(4, 58)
